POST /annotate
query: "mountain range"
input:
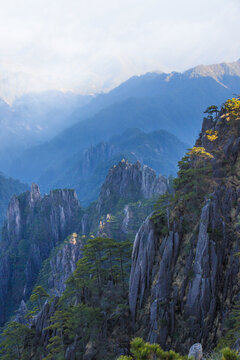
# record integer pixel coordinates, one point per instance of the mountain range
(85, 292)
(123, 243)
(173, 102)
(128, 191)
(33, 119)
(85, 172)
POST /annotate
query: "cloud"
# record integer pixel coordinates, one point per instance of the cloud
(93, 45)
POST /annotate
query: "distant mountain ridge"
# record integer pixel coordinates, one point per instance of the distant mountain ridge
(148, 84)
(86, 172)
(219, 72)
(33, 119)
(173, 102)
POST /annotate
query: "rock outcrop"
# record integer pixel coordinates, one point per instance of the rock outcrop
(21, 313)
(85, 171)
(131, 182)
(143, 255)
(127, 196)
(62, 264)
(94, 155)
(8, 187)
(41, 321)
(183, 284)
(34, 226)
(196, 352)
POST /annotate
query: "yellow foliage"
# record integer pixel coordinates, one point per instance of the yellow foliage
(199, 151)
(74, 238)
(232, 107)
(212, 135)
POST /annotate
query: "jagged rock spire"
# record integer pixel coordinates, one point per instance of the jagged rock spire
(35, 192)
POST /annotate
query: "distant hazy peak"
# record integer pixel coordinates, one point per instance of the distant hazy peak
(216, 71)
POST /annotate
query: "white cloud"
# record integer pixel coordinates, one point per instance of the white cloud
(92, 45)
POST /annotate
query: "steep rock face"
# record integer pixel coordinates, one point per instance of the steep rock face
(33, 227)
(127, 196)
(22, 313)
(8, 187)
(204, 272)
(126, 219)
(85, 172)
(143, 255)
(183, 293)
(151, 184)
(62, 264)
(42, 321)
(14, 217)
(94, 155)
(205, 289)
(131, 182)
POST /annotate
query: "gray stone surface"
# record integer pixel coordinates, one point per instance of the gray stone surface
(143, 255)
(21, 313)
(130, 181)
(63, 263)
(196, 352)
(195, 286)
(42, 320)
(43, 222)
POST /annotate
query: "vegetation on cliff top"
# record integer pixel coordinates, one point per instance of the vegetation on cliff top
(93, 303)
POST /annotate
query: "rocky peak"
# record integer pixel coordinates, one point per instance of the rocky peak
(96, 154)
(14, 217)
(143, 255)
(131, 182)
(183, 276)
(152, 184)
(62, 264)
(216, 71)
(35, 193)
(15, 214)
(34, 226)
(64, 195)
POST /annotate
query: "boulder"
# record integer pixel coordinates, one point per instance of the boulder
(196, 352)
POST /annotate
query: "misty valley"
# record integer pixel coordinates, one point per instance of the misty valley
(120, 220)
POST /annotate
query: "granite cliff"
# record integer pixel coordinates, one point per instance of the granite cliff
(8, 187)
(60, 264)
(34, 226)
(86, 171)
(185, 265)
(131, 182)
(184, 272)
(37, 245)
(127, 196)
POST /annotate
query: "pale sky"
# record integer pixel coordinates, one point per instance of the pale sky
(93, 45)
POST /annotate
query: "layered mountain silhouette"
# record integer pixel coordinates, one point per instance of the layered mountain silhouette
(33, 119)
(173, 102)
(86, 171)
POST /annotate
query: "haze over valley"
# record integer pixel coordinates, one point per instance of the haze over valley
(119, 180)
